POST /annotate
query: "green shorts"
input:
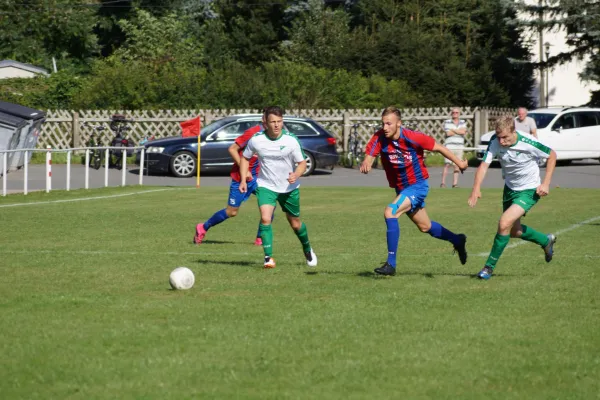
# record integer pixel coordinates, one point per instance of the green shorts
(290, 202)
(523, 198)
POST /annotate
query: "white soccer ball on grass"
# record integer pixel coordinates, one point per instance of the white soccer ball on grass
(181, 278)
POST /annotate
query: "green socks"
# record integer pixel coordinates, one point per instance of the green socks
(531, 235)
(302, 234)
(266, 233)
(500, 242)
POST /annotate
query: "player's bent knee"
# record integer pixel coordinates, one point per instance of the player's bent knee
(505, 225)
(295, 223)
(391, 212)
(424, 228)
(231, 211)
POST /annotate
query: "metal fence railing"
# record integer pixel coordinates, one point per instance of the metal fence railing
(4, 155)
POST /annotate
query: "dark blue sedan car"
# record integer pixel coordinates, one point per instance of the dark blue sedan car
(178, 155)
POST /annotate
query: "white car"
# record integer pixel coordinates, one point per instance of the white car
(573, 133)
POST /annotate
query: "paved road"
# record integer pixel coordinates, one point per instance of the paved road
(578, 175)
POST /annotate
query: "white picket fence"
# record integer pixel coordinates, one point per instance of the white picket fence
(5, 176)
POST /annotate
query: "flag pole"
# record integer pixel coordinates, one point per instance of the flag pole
(198, 157)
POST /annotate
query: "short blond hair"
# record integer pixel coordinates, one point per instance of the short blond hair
(392, 110)
(504, 123)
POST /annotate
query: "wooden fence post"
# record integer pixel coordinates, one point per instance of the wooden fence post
(485, 116)
(207, 118)
(75, 131)
(346, 130)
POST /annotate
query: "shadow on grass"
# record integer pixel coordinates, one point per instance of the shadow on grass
(231, 263)
(369, 274)
(217, 242)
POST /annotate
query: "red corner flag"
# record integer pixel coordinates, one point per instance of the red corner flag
(191, 127)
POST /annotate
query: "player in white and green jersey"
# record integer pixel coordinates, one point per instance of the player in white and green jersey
(518, 153)
(282, 162)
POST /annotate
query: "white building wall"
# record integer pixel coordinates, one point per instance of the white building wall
(565, 88)
(12, 72)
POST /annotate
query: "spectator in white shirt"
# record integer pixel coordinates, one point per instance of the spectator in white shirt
(455, 129)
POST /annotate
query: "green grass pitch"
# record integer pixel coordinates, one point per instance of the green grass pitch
(87, 312)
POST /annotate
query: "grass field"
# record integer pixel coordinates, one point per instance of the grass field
(87, 311)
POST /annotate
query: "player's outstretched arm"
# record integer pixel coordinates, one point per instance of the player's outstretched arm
(544, 188)
(367, 163)
(443, 150)
(479, 176)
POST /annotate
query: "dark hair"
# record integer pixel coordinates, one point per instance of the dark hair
(391, 110)
(275, 110)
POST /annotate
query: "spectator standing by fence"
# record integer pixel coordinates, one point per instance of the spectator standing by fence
(526, 124)
(455, 129)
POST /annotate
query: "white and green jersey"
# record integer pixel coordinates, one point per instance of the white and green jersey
(277, 158)
(520, 169)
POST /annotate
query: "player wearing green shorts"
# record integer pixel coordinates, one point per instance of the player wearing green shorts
(518, 153)
(282, 163)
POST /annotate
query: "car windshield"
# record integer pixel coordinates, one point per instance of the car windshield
(541, 120)
(210, 128)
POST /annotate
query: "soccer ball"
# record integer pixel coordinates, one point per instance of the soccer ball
(181, 278)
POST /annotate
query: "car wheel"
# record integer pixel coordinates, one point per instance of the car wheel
(310, 164)
(183, 164)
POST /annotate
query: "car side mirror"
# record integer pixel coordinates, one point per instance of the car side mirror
(558, 129)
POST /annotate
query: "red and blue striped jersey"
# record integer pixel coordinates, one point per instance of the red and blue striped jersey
(402, 159)
(242, 141)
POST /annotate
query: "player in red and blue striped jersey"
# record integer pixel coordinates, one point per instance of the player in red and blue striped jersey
(401, 152)
(236, 198)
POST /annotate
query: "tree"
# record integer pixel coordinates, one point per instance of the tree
(318, 35)
(581, 20)
(35, 31)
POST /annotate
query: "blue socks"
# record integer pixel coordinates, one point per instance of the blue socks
(393, 236)
(439, 232)
(216, 219)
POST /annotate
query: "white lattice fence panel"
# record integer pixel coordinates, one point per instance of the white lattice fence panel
(494, 113)
(57, 130)
(145, 123)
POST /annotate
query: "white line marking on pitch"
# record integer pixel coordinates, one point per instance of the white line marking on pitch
(89, 198)
(131, 253)
(559, 232)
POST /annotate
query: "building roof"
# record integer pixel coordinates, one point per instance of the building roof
(26, 67)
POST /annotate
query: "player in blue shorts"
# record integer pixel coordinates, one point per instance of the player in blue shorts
(401, 152)
(236, 198)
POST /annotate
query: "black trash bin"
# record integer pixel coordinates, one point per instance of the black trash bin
(27, 139)
(11, 128)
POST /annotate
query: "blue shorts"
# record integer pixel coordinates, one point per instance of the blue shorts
(236, 198)
(416, 193)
